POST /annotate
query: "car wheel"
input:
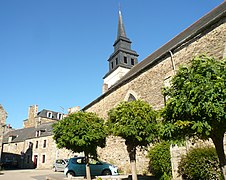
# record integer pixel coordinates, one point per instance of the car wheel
(70, 174)
(54, 169)
(106, 172)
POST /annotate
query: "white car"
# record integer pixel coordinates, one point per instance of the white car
(60, 164)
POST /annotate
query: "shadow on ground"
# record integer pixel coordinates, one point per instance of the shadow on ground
(141, 177)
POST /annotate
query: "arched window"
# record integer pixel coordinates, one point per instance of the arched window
(131, 98)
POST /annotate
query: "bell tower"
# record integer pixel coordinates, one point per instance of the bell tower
(122, 59)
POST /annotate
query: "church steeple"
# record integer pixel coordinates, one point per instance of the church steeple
(121, 28)
(122, 59)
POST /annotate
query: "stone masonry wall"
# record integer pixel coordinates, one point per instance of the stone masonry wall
(32, 112)
(23, 152)
(3, 116)
(51, 152)
(147, 86)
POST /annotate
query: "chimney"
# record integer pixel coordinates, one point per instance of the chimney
(104, 88)
(32, 113)
(73, 109)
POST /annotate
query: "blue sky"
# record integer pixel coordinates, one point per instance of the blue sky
(54, 53)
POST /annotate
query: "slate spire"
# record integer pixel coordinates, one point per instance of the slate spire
(121, 28)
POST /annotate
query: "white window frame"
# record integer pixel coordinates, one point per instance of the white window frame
(59, 116)
(49, 114)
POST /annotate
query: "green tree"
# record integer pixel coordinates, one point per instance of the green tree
(197, 102)
(81, 132)
(135, 121)
(160, 160)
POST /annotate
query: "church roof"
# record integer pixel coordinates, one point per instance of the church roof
(199, 26)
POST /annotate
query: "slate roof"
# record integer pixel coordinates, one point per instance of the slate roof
(121, 28)
(28, 133)
(193, 30)
(43, 114)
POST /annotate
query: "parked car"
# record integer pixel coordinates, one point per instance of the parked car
(77, 167)
(60, 164)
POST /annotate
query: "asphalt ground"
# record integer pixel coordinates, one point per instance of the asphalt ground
(30, 174)
(36, 174)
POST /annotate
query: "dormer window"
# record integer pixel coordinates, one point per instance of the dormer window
(116, 61)
(49, 115)
(59, 116)
(38, 133)
(10, 139)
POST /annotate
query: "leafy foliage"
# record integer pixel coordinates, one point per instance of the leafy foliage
(197, 104)
(134, 121)
(160, 160)
(197, 98)
(81, 131)
(200, 163)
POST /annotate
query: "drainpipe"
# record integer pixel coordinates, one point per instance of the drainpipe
(172, 60)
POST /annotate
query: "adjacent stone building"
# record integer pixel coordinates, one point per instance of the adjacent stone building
(33, 146)
(3, 116)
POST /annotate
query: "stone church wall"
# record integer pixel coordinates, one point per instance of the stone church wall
(148, 85)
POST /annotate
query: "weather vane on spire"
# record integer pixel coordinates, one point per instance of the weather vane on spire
(119, 7)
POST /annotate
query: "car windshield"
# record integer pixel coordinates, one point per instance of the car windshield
(93, 161)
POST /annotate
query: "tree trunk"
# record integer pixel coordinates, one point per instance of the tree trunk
(88, 175)
(132, 156)
(218, 141)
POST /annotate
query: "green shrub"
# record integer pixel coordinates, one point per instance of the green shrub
(160, 161)
(200, 163)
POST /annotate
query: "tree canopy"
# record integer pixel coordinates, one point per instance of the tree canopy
(80, 132)
(196, 104)
(134, 121)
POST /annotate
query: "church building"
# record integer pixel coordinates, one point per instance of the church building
(126, 80)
